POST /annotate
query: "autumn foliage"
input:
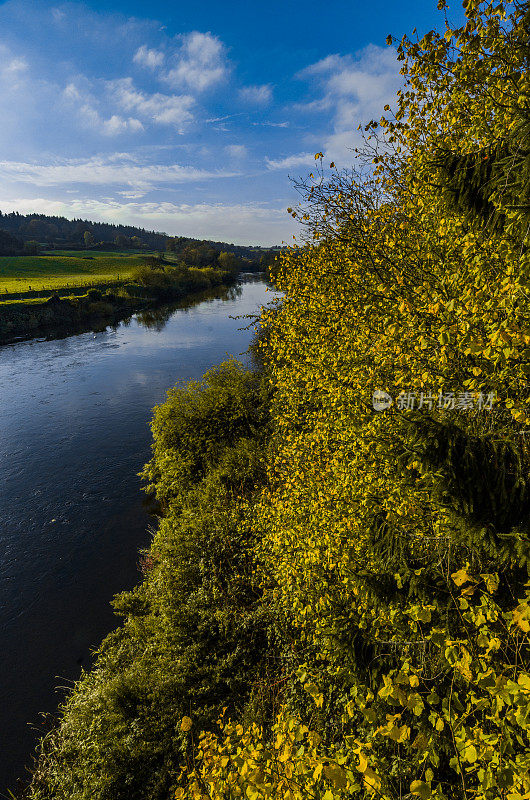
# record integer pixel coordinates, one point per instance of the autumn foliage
(337, 600)
(395, 548)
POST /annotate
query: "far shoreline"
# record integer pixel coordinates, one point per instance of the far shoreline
(59, 317)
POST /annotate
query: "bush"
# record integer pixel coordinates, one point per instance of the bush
(154, 262)
(150, 277)
(101, 308)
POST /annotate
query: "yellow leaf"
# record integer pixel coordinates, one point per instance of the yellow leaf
(185, 724)
(421, 789)
(372, 780)
(470, 754)
(520, 617)
(363, 762)
(460, 577)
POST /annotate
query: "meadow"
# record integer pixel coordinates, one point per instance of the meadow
(65, 269)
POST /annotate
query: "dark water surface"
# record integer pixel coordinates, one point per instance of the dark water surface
(74, 433)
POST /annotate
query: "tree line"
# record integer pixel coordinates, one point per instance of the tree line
(34, 233)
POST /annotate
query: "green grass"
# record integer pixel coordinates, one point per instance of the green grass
(37, 273)
(98, 253)
(26, 301)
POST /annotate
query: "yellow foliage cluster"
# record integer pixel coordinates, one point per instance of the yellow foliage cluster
(408, 604)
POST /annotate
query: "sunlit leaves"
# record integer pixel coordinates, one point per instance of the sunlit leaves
(395, 548)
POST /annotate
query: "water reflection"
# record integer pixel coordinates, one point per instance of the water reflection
(157, 318)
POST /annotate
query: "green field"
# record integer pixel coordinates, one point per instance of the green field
(66, 269)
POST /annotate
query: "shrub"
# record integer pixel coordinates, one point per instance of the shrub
(101, 308)
(148, 276)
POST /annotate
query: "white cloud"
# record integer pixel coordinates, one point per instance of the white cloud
(132, 195)
(111, 126)
(237, 151)
(101, 171)
(116, 124)
(268, 124)
(147, 57)
(327, 64)
(258, 95)
(12, 68)
(72, 94)
(225, 117)
(160, 108)
(86, 104)
(354, 90)
(299, 160)
(200, 63)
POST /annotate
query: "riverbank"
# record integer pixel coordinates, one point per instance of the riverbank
(74, 435)
(194, 634)
(60, 316)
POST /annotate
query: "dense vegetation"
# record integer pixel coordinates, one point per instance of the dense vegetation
(9, 245)
(59, 230)
(347, 586)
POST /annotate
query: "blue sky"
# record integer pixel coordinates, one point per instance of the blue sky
(189, 117)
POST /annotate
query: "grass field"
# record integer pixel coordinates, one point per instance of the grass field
(66, 269)
(28, 301)
(97, 253)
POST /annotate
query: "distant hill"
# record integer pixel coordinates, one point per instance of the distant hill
(16, 230)
(60, 231)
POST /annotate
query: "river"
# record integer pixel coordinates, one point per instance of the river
(74, 433)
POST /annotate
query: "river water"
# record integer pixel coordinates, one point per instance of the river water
(74, 417)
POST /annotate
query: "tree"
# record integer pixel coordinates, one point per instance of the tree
(122, 241)
(9, 245)
(176, 244)
(397, 541)
(32, 248)
(227, 261)
(89, 239)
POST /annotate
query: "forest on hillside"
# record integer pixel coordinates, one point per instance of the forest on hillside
(21, 233)
(336, 603)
